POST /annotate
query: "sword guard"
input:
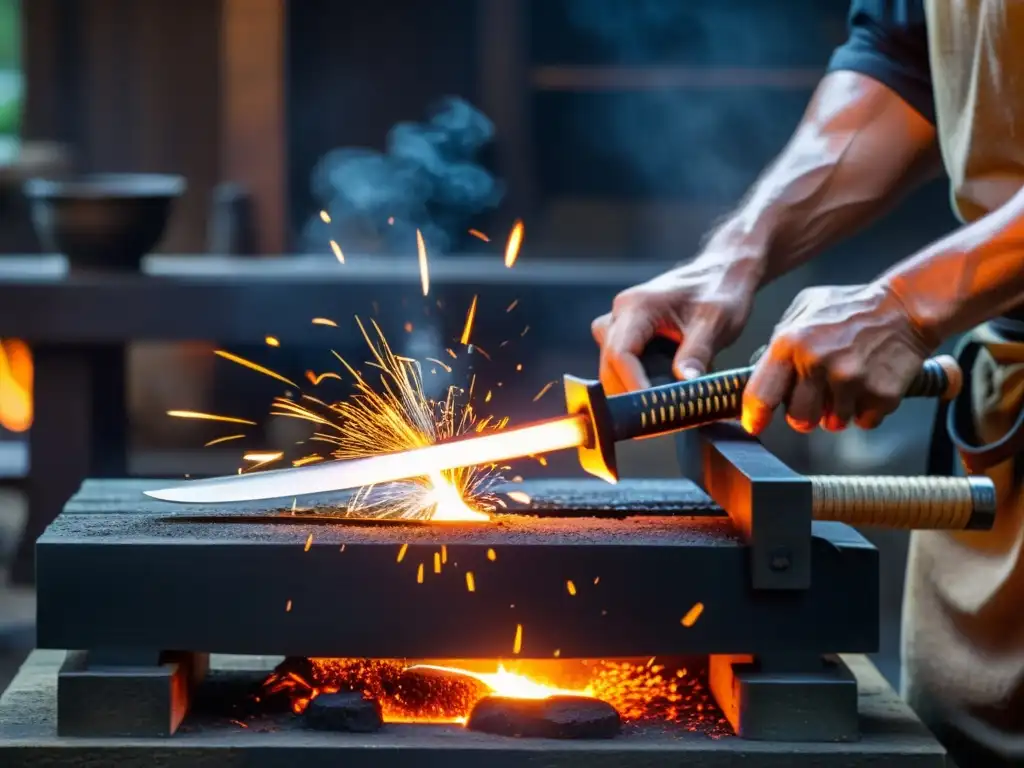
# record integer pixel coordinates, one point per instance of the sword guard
(597, 455)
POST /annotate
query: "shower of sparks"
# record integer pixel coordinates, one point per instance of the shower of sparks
(470, 316)
(325, 217)
(544, 390)
(692, 615)
(479, 235)
(421, 251)
(324, 321)
(515, 242)
(209, 417)
(272, 341)
(336, 249)
(224, 439)
(254, 366)
(393, 414)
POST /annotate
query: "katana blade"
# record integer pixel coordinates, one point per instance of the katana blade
(542, 437)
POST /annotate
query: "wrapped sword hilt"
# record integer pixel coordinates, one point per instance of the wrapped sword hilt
(675, 405)
(670, 405)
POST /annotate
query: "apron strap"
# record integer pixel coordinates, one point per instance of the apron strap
(953, 430)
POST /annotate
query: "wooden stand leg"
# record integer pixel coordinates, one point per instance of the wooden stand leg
(80, 430)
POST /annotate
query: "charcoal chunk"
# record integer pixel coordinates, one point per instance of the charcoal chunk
(344, 712)
(557, 717)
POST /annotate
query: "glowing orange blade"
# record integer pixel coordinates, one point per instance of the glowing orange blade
(542, 437)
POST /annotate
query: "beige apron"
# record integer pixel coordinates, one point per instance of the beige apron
(963, 637)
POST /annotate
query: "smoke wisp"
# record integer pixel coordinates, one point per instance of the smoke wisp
(428, 178)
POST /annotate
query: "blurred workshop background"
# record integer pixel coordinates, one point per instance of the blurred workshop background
(616, 130)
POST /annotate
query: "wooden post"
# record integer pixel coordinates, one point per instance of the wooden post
(505, 96)
(253, 120)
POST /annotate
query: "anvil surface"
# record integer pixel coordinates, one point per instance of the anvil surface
(117, 570)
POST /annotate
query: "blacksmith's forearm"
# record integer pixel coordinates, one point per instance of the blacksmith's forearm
(857, 148)
(972, 275)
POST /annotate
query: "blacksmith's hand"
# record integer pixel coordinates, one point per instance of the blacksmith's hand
(702, 305)
(840, 354)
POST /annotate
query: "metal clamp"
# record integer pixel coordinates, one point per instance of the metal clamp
(768, 502)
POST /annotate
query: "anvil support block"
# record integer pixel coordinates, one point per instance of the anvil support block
(815, 701)
(102, 696)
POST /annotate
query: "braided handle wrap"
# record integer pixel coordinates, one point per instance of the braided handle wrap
(719, 396)
(914, 503)
(679, 405)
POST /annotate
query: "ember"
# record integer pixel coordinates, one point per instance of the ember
(445, 692)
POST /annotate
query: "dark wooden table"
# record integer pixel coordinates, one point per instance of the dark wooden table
(79, 324)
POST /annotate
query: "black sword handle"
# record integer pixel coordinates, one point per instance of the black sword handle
(675, 405)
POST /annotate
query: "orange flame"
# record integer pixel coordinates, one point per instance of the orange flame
(16, 373)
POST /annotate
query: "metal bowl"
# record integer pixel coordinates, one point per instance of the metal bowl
(103, 221)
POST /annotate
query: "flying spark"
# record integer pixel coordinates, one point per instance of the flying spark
(479, 235)
(692, 615)
(315, 379)
(209, 417)
(337, 252)
(324, 321)
(421, 251)
(325, 217)
(224, 439)
(254, 366)
(515, 241)
(272, 341)
(468, 328)
(544, 390)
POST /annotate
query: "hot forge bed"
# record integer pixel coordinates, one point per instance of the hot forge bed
(220, 732)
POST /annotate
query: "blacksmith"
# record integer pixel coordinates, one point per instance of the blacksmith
(918, 88)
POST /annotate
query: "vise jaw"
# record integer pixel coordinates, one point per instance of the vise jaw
(769, 503)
